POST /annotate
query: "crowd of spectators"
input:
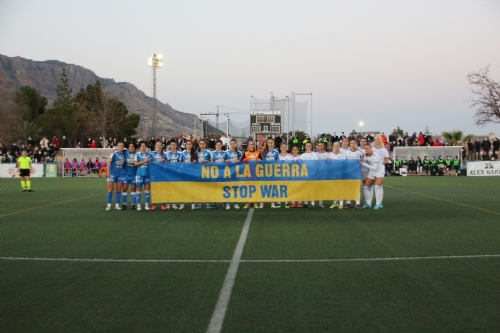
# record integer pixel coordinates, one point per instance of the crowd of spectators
(40, 151)
(477, 150)
(45, 150)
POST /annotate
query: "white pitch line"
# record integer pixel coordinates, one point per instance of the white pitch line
(472, 256)
(375, 259)
(118, 260)
(217, 319)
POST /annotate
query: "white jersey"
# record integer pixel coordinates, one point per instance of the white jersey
(287, 157)
(383, 154)
(309, 156)
(362, 150)
(294, 158)
(371, 164)
(323, 156)
(338, 156)
(344, 150)
(353, 155)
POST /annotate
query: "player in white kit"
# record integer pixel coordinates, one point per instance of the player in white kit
(337, 155)
(353, 154)
(379, 149)
(345, 145)
(284, 156)
(371, 162)
(308, 155)
(322, 155)
(294, 156)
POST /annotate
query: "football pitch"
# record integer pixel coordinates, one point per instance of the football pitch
(429, 261)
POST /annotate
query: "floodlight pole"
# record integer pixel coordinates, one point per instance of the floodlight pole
(155, 61)
(154, 119)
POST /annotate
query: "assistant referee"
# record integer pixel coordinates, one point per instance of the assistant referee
(24, 165)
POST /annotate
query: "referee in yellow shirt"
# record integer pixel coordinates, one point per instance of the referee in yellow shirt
(24, 165)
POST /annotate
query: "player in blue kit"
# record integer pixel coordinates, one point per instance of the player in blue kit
(129, 176)
(114, 174)
(204, 156)
(158, 156)
(190, 156)
(173, 156)
(232, 155)
(142, 159)
(269, 154)
(218, 156)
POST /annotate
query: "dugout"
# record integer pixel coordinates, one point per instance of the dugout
(85, 153)
(420, 151)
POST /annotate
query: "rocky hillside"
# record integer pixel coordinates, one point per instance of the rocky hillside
(44, 76)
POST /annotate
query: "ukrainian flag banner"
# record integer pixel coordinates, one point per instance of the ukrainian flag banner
(266, 181)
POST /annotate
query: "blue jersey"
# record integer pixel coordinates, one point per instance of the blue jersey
(130, 168)
(143, 170)
(204, 156)
(219, 156)
(116, 163)
(158, 156)
(174, 157)
(186, 156)
(272, 155)
(233, 155)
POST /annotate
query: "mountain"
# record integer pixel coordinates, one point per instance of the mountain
(44, 76)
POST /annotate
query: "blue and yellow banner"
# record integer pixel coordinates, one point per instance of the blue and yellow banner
(264, 181)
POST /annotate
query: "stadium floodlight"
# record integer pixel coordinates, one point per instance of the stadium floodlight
(155, 61)
(360, 126)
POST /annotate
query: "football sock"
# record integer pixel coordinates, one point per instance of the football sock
(372, 192)
(381, 193)
(133, 195)
(23, 184)
(124, 197)
(118, 197)
(138, 198)
(368, 199)
(110, 197)
(146, 196)
(28, 184)
(378, 195)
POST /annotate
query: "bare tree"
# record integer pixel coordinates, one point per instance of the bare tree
(486, 97)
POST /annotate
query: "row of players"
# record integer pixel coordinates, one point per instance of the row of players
(130, 168)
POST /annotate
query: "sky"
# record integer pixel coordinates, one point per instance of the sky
(384, 63)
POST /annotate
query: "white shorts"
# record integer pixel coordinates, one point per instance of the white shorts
(380, 175)
(372, 174)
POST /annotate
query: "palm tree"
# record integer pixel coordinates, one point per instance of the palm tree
(455, 137)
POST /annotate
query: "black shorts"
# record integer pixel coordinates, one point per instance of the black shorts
(24, 172)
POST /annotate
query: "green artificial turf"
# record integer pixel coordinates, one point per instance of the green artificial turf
(108, 297)
(422, 217)
(456, 295)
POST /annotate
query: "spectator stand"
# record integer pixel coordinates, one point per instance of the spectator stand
(85, 153)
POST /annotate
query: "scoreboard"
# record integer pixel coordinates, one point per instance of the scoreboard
(265, 122)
